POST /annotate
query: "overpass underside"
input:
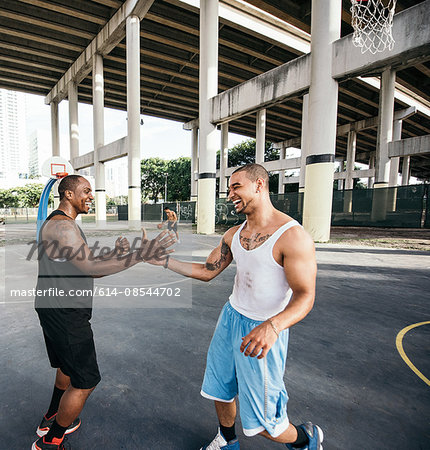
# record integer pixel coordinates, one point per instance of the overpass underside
(207, 68)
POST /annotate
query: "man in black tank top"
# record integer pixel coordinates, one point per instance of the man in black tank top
(63, 303)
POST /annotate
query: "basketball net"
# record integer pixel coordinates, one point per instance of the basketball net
(372, 21)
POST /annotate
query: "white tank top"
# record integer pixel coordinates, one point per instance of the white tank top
(260, 288)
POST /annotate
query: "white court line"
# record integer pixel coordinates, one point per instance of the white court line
(149, 286)
(9, 303)
(208, 245)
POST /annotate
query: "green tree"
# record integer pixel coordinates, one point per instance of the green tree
(29, 195)
(179, 179)
(152, 173)
(8, 198)
(110, 202)
(244, 153)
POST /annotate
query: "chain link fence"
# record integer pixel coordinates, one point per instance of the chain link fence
(19, 215)
(397, 207)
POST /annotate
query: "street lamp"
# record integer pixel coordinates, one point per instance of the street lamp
(165, 187)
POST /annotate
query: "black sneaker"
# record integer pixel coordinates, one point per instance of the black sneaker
(46, 424)
(57, 444)
(314, 434)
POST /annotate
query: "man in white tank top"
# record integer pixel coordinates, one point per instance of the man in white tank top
(274, 289)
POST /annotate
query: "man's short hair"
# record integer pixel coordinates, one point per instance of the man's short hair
(254, 171)
(68, 183)
(166, 208)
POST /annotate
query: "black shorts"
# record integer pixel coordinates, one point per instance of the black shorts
(74, 353)
(172, 226)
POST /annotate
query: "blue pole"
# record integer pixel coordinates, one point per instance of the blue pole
(42, 211)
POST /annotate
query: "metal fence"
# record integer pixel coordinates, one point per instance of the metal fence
(19, 215)
(187, 212)
(402, 207)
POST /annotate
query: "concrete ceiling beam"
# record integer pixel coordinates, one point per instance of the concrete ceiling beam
(287, 80)
(419, 145)
(108, 38)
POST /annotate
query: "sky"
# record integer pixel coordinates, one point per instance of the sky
(159, 137)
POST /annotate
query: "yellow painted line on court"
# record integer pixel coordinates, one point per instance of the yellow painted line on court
(399, 346)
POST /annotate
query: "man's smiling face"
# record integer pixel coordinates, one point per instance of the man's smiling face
(242, 191)
(82, 197)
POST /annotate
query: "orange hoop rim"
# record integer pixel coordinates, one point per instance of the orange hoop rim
(59, 175)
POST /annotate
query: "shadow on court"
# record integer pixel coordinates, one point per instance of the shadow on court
(343, 371)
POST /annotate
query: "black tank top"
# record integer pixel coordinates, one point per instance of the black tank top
(60, 275)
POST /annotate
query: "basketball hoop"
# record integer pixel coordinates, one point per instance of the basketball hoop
(56, 167)
(372, 21)
(60, 175)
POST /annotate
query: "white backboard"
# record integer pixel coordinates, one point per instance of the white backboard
(54, 165)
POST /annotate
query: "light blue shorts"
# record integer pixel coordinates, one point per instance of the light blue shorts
(259, 383)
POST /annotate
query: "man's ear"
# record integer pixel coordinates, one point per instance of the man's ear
(68, 194)
(260, 184)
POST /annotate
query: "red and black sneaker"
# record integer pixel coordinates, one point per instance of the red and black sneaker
(56, 444)
(46, 424)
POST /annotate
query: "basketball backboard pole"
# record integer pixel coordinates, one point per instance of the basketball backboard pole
(55, 168)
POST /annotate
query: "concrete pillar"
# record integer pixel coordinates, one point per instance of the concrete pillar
(73, 120)
(73, 128)
(385, 135)
(323, 94)
(385, 127)
(260, 140)
(281, 181)
(340, 182)
(395, 162)
(371, 180)
(304, 142)
(406, 170)
(55, 141)
(394, 169)
(133, 122)
(223, 161)
(349, 180)
(350, 159)
(208, 87)
(55, 133)
(194, 162)
(98, 138)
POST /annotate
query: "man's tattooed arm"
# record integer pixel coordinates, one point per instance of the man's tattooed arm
(225, 253)
(219, 258)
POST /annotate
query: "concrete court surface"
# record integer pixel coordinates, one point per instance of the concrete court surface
(343, 371)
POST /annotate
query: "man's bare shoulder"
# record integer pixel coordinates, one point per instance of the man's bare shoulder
(59, 227)
(295, 239)
(228, 235)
